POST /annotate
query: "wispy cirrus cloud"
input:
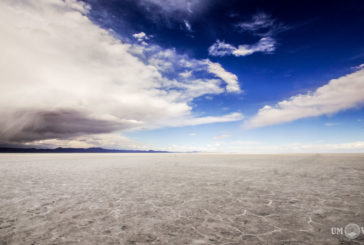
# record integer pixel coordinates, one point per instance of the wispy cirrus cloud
(59, 88)
(264, 45)
(169, 7)
(170, 12)
(337, 95)
(262, 25)
(220, 48)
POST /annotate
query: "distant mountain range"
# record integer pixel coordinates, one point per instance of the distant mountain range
(72, 150)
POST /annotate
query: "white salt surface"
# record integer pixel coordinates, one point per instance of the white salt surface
(179, 198)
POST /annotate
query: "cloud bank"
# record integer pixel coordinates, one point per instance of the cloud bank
(63, 77)
(339, 94)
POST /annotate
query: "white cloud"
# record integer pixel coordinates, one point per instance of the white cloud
(141, 37)
(220, 48)
(262, 25)
(186, 74)
(228, 77)
(66, 77)
(359, 67)
(339, 94)
(264, 45)
(205, 120)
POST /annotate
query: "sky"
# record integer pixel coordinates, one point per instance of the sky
(183, 75)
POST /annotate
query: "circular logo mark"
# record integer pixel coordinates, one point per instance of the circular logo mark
(352, 231)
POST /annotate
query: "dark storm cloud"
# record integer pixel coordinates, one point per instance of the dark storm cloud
(28, 126)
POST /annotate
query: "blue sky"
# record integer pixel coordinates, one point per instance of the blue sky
(184, 75)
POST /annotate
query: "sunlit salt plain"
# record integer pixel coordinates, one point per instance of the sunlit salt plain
(179, 198)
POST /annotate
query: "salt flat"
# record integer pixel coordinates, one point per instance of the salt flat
(179, 198)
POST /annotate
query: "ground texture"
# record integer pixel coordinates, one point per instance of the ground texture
(179, 198)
